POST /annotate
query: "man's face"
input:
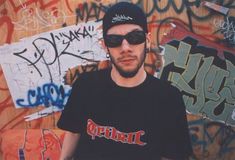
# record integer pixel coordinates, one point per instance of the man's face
(127, 58)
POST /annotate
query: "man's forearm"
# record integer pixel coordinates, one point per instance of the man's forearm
(69, 145)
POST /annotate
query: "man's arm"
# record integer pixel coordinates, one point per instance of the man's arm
(69, 145)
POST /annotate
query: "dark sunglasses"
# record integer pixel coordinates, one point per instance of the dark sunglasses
(133, 37)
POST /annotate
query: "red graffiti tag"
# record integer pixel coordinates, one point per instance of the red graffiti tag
(17, 7)
(2, 1)
(6, 20)
(179, 32)
(42, 3)
(67, 3)
(6, 101)
(151, 24)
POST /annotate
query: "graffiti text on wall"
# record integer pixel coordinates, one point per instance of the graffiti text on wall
(48, 95)
(206, 135)
(227, 28)
(50, 50)
(46, 58)
(206, 80)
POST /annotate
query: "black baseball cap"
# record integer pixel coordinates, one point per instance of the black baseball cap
(124, 13)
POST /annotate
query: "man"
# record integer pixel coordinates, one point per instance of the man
(123, 113)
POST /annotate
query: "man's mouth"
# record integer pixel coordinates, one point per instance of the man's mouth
(127, 60)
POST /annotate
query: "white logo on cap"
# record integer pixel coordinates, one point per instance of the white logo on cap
(120, 18)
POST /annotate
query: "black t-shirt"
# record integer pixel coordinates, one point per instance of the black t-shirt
(138, 123)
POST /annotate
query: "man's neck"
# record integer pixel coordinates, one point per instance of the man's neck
(128, 82)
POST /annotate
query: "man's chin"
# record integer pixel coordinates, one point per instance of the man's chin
(127, 74)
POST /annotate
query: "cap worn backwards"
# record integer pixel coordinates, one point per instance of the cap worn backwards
(124, 13)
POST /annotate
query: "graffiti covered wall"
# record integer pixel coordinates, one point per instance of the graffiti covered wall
(45, 45)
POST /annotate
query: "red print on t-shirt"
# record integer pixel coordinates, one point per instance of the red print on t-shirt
(95, 130)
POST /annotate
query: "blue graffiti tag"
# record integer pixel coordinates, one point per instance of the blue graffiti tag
(48, 95)
(207, 134)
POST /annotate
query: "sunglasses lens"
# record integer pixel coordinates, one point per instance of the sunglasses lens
(134, 37)
(113, 40)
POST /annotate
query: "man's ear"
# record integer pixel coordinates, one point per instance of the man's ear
(103, 45)
(148, 40)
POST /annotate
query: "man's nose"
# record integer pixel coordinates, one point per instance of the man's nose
(125, 46)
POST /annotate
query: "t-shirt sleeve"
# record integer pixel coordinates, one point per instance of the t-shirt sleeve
(73, 116)
(176, 142)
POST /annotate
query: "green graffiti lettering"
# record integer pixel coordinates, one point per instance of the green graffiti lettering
(208, 89)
